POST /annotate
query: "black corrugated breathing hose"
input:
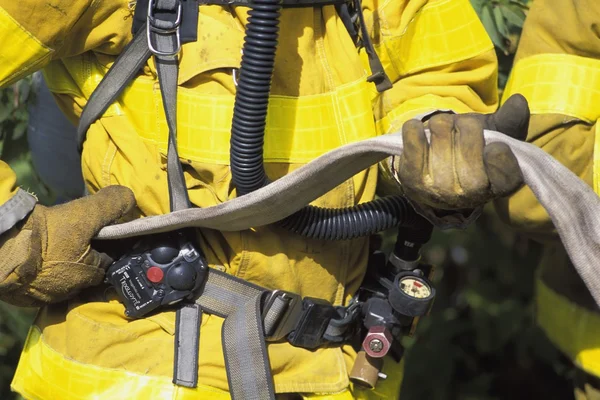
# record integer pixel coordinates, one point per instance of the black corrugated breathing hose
(247, 141)
(252, 96)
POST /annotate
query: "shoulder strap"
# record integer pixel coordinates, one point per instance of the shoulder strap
(125, 68)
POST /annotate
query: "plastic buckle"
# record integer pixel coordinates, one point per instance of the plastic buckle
(313, 322)
(286, 322)
(165, 28)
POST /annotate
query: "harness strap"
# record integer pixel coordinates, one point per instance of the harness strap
(165, 45)
(378, 75)
(124, 69)
(254, 315)
(164, 41)
(136, 53)
(187, 342)
(188, 29)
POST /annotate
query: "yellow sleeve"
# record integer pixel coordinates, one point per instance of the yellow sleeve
(438, 56)
(36, 32)
(558, 71)
(15, 203)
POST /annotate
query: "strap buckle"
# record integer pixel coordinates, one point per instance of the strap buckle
(281, 311)
(163, 27)
(312, 324)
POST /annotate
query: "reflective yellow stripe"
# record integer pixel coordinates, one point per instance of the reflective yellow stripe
(568, 85)
(21, 53)
(43, 373)
(394, 119)
(558, 83)
(298, 129)
(442, 32)
(573, 329)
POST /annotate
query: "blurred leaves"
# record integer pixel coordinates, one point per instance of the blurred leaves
(503, 21)
(480, 341)
(13, 138)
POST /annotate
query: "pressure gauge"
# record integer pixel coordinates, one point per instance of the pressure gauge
(415, 287)
(412, 294)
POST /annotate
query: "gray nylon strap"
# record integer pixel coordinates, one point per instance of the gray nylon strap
(187, 341)
(125, 68)
(223, 293)
(168, 72)
(570, 202)
(187, 334)
(274, 314)
(16, 209)
(167, 77)
(239, 302)
(248, 369)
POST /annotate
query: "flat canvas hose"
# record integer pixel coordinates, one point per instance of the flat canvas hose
(570, 202)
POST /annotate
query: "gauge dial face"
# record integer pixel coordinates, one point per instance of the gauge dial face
(415, 287)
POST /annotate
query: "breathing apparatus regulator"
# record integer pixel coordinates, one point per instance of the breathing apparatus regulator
(168, 268)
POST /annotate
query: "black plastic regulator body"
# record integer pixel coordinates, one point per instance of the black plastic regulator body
(160, 270)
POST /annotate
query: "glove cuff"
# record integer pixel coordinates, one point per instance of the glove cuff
(447, 219)
(16, 209)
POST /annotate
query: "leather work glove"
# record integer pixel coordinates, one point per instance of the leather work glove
(48, 258)
(456, 170)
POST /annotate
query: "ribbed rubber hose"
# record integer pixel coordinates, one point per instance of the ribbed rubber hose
(247, 142)
(352, 222)
(252, 96)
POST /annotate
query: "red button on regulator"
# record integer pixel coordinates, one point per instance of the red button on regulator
(155, 274)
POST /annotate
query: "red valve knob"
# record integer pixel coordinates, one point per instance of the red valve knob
(378, 341)
(155, 274)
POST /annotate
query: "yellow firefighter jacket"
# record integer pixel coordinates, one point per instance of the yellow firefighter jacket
(436, 53)
(558, 71)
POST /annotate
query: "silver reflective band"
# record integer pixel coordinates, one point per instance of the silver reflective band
(16, 209)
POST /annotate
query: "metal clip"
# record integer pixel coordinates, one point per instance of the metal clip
(162, 27)
(281, 312)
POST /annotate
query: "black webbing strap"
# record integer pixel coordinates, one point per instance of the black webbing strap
(378, 75)
(124, 69)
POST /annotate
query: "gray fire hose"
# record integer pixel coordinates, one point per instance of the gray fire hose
(570, 202)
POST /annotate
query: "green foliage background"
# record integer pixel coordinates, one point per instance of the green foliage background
(479, 343)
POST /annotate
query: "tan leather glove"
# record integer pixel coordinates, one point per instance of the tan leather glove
(48, 257)
(456, 170)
